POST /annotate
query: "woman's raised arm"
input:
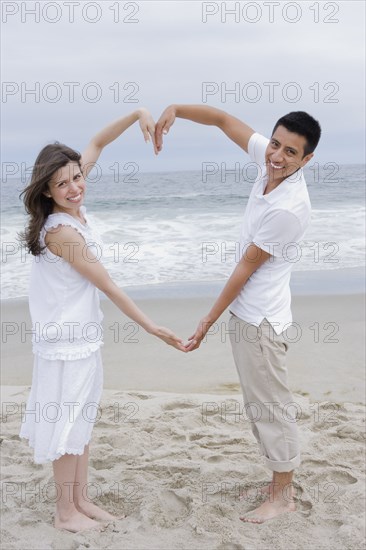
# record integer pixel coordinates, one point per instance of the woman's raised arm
(111, 132)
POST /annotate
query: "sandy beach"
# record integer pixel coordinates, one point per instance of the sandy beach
(173, 448)
(325, 358)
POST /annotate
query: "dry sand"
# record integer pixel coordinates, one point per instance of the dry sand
(175, 453)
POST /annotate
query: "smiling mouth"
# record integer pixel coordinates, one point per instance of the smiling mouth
(75, 199)
(276, 166)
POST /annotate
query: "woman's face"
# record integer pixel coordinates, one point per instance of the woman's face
(67, 189)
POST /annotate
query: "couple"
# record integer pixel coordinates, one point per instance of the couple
(64, 292)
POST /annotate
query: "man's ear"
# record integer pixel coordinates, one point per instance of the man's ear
(306, 159)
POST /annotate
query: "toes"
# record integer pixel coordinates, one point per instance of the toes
(251, 520)
(104, 526)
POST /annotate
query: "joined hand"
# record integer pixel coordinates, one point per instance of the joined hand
(195, 340)
(147, 126)
(163, 125)
(170, 338)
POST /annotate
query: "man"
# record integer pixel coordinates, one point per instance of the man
(258, 291)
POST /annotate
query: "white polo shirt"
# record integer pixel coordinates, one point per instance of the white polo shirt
(275, 222)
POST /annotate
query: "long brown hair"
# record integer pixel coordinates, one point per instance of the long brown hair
(37, 205)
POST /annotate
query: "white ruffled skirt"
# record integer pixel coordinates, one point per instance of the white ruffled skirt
(63, 406)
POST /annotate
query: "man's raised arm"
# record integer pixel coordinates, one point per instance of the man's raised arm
(234, 128)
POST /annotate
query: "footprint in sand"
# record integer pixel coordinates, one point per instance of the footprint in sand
(304, 506)
(149, 428)
(197, 436)
(28, 519)
(219, 442)
(103, 425)
(106, 463)
(350, 431)
(342, 478)
(215, 458)
(179, 405)
(322, 487)
(168, 509)
(328, 473)
(314, 464)
(178, 438)
(141, 396)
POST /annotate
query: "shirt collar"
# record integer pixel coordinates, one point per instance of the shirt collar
(287, 186)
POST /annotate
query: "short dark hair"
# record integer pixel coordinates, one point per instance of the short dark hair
(303, 124)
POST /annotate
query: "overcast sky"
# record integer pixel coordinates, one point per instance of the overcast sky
(277, 56)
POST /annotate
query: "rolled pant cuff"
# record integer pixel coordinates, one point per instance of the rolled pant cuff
(287, 466)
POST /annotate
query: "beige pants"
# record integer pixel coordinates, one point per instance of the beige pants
(260, 358)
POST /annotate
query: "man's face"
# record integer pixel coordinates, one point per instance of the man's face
(285, 153)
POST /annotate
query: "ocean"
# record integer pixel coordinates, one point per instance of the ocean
(182, 227)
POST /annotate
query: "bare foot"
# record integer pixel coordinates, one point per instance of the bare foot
(269, 510)
(93, 511)
(256, 492)
(76, 522)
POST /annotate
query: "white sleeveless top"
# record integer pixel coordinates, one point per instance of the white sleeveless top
(64, 305)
